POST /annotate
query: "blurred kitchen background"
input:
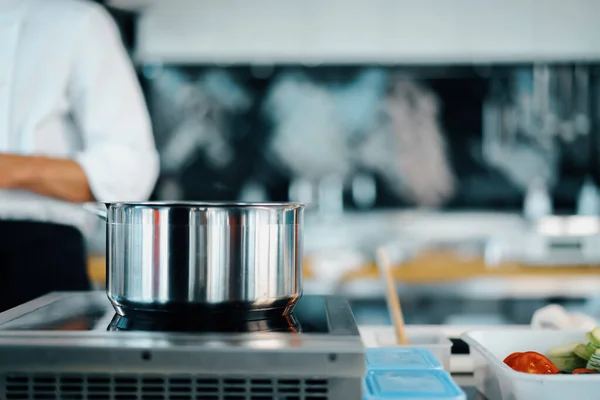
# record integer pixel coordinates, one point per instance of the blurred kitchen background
(459, 137)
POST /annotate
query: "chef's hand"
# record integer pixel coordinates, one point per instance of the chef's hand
(54, 177)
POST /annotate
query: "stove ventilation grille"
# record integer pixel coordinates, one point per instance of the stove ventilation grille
(132, 387)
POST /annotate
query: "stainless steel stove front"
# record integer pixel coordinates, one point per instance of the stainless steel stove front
(96, 364)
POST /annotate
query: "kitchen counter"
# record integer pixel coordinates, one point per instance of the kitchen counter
(445, 273)
(447, 267)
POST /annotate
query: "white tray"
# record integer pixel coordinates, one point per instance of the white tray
(499, 382)
(434, 341)
(383, 336)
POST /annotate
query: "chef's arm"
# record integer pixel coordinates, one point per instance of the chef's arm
(119, 157)
(59, 178)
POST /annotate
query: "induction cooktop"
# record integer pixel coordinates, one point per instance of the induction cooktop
(72, 345)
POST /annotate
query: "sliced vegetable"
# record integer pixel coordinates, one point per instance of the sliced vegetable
(572, 358)
(590, 348)
(594, 362)
(569, 356)
(534, 363)
(592, 345)
(511, 359)
(563, 350)
(583, 352)
(595, 337)
(579, 371)
(569, 363)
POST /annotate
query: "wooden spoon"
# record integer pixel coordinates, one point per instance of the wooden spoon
(392, 299)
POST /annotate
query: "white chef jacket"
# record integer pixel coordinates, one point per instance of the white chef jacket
(68, 90)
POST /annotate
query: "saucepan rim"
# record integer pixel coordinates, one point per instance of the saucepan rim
(101, 208)
(217, 204)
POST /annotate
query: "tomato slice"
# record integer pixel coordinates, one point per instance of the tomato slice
(534, 363)
(512, 358)
(584, 371)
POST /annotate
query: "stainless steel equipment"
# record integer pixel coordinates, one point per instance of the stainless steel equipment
(189, 257)
(65, 346)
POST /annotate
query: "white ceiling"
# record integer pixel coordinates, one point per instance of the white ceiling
(376, 31)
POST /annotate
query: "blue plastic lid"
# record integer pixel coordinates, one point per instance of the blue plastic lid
(394, 358)
(411, 385)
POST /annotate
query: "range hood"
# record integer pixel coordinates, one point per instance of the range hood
(367, 31)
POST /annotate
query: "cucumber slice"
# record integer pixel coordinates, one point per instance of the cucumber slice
(569, 363)
(594, 362)
(595, 337)
(565, 350)
(583, 352)
(590, 348)
(588, 336)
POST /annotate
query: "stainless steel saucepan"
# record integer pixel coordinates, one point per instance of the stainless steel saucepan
(188, 257)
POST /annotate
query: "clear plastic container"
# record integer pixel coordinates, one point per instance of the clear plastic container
(411, 385)
(384, 337)
(399, 358)
(497, 381)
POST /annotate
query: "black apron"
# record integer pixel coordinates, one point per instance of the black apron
(37, 258)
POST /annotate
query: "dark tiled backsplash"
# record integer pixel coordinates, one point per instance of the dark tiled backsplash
(417, 132)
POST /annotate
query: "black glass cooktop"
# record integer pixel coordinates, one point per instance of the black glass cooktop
(216, 323)
(92, 311)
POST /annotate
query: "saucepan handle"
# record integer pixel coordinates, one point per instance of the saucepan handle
(98, 209)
